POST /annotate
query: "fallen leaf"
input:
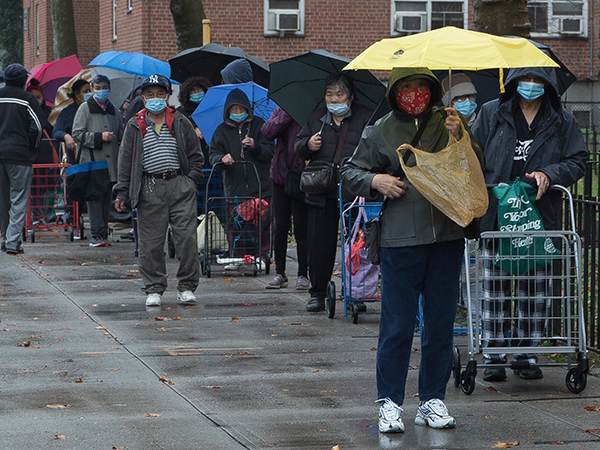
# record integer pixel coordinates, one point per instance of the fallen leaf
(241, 353)
(213, 387)
(24, 344)
(491, 389)
(506, 444)
(27, 371)
(163, 329)
(592, 408)
(373, 349)
(330, 390)
(117, 448)
(593, 430)
(491, 417)
(227, 279)
(59, 436)
(235, 319)
(175, 318)
(57, 406)
(79, 381)
(101, 328)
(531, 434)
(318, 370)
(337, 447)
(161, 319)
(557, 443)
(152, 415)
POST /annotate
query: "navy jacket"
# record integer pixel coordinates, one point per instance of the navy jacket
(558, 149)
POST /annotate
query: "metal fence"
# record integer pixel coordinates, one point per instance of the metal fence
(587, 214)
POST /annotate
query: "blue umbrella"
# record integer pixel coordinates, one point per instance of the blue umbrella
(135, 63)
(209, 113)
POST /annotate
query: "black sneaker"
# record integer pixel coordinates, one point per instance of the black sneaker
(316, 304)
(494, 374)
(533, 373)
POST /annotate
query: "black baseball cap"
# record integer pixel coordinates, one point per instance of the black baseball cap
(157, 80)
(15, 72)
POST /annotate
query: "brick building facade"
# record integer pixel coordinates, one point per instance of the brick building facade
(344, 28)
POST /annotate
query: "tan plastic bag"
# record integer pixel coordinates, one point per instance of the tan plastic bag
(450, 179)
(217, 239)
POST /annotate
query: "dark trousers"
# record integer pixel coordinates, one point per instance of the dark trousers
(431, 271)
(98, 214)
(322, 244)
(284, 208)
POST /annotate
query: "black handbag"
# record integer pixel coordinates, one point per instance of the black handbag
(373, 226)
(319, 177)
(87, 181)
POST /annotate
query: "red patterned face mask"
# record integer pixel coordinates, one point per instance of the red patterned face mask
(413, 101)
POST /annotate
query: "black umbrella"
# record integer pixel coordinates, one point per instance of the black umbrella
(487, 84)
(297, 83)
(210, 59)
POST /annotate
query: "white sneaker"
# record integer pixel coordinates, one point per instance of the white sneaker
(435, 414)
(153, 300)
(186, 297)
(390, 420)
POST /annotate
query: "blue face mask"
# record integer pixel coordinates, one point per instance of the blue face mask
(197, 97)
(238, 117)
(87, 96)
(101, 95)
(530, 90)
(466, 107)
(338, 109)
(156, 105)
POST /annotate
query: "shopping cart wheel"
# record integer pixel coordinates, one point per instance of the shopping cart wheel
(170, 244)
(72, 235)
(576, 383)
(354, 314)
(33, 236)
(330, 299)
(467, 383)
(267, 264)
(207, 271)
(202, 264)
(24, 233)
(456, 366)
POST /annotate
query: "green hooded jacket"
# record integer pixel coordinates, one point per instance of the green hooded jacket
(409, 220)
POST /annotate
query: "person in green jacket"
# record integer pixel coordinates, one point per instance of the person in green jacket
(421, 248)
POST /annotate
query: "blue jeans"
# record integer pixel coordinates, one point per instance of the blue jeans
(433, 271)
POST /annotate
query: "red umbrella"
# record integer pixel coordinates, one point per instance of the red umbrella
(54, 74)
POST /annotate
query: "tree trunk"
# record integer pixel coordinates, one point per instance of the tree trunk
(11, 32)
(187, 17)
(502, 17)
(63, 25)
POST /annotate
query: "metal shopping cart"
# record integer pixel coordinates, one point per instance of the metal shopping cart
(237, 231)
(50, 212)
(555, 320)
(360, 278)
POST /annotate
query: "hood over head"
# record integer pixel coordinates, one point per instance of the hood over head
(409, 74)
(236, 97)
(237, 72)
(546, 73)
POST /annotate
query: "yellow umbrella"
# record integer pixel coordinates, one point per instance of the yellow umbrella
(452, 48)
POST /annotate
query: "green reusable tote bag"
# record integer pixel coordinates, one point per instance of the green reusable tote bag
(517, 213)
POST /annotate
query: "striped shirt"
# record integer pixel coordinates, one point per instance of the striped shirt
(160, 150)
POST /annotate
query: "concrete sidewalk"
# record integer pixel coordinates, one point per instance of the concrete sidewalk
(247, 368)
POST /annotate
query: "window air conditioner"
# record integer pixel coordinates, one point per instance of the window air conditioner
(410, 23)
(287, 21)
(571, 25)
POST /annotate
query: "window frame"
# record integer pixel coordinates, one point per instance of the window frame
(275, 33)
(428, 14)
(129, 6)
(114, 20)
(553, 20)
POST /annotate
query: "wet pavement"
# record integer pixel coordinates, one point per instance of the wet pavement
(86, 365)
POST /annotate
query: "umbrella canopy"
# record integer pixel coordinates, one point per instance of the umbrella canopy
(53, 74)
(451, 48)
(134, 63)
(210, 59)
(209, 114)
(297, 83)
(121, 84)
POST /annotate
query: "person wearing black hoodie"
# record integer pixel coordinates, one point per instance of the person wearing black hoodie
(21, 122)
(239, 139)
(526, 133)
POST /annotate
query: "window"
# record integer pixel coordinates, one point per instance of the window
(415, 16)
(26, 23)
(557, 18)
(284, 18)
(129, 6)
(114, 20)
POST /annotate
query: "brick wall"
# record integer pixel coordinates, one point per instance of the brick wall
(36, 51)
(86, 29)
